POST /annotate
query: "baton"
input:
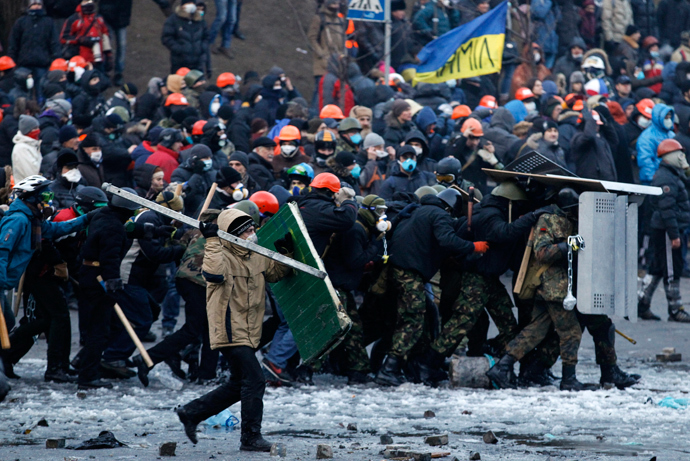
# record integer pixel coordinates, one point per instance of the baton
(4, 334)
(626, 336)
(221, 234)
(209, 197)
(470, 206)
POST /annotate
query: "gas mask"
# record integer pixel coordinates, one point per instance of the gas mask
(676, 159)
(356, 171)
(383, 225)
(408, 165)
(240, 193)
(253, 238)
(288, 150)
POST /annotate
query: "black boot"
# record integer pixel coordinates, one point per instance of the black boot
(4, 384)
(644, 303)
(534, 374)
(95, 384)
(9, 369)
(611, 374)
(390, 374)
(676, 313)
(59, 375)
(253, 441)
(569, 381)
(502, 375)
(188, 423)
(142, 369)
(175, 364)
(429, 367)
(358, 377)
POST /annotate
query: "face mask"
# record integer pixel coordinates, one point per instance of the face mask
(668, 124)
(73, 175)
(676, 159)
(253, 238)
(296, 191)
(418, 150)
(321, 161)
(277, 87)
(577, 57)
(215, 105)
(189, 8)
(208, 164)
(189, 140)
(29, 83)
(537, 57)
(381, 153)
(96, 156)
(222, 140)
(383, 225)
(408, 165)
(35, 12)
(643, 122)
(531, 107)
(78, 72)
(356, 138)
(654, 54)
(132, 101)
(288, 150)
(202, 13)
(356, 171)
(240, 193)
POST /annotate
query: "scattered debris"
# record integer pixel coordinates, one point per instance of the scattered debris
(489, 437)
(429, 414)
(474, 455)
(105, 439)
(436, 440)
(279, 449)
(466, 412)
(668, 354)
(167, 449)
(352, 427)
(81, 395)
(324, 451)
(55, 443)
(386, 439)
(42, 422)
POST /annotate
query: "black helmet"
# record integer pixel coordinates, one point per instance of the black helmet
(90, 198)
(447, 167)
(324, 140)
(567, 198)
(121, 202)
(453, 199)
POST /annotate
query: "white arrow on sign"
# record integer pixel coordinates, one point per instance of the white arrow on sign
(366, 5)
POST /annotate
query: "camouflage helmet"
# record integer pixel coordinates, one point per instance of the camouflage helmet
(425, 190)
(510, 189)
(250, 208)
(348, 124)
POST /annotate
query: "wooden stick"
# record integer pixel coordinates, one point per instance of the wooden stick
(133, 335)
(525, 262)
(178, 189)
(4, 334)
(626, 336)
(209, 197)
(18, 300)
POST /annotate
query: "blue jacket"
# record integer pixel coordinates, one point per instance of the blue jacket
(517, 108)
(648, 142)
(15, 240)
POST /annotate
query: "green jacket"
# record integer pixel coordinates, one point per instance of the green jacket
(550, 230)
(193, 257)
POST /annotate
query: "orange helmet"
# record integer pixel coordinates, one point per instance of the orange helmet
(58, 64)
(488, 101)
(182, 71)
(326, 181)
(574, 101)
(176, 99)
(267, 202)
(225, 79)
(461, 111)
(331, 111)
(667, 146)
(523, 93)
(289, 133)
(198, 127)
(474, 123)
(645, 107)
(6, 63)
(76, 61)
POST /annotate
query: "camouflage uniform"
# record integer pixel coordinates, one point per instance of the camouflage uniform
(550, 230)
(351, 353)
(476, 293)
(411, 309)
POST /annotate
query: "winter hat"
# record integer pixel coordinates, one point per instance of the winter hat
(227, 176)
(27, 124)
(61, 107)
(631, 29)
(169, 136)
(154, 134)
(551, 104)
(345, 158)
(397, 5)
(542, 126)
(263, 141)
(170, 200)
(366, 211)
(399, 106)
(51, 89)
(313, 125)
(361, 111)
(121, 111)
(66, 157)
(113, 121)
(240, 225)
(258, 124)
(241, 157)
(67, 132)
(200, 151)
(373, 139)
(90, 141)
(225, 112)
(130, 89)
(577, 77)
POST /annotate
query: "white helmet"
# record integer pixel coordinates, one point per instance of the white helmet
(31, 184)
(594, 61)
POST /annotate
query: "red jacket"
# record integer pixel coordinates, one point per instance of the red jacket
(65, 214)
(165, 158)
(90, 25)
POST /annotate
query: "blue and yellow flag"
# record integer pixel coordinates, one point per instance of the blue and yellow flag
(466, 51)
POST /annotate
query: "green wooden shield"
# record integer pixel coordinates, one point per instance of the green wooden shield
(311, 306)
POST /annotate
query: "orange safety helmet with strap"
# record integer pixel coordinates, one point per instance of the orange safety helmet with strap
(523, 93)
(461, 111)
(267, 202)
(198, 128)
(182, 71)
(176, 99)
(645, 107)
(326, 181)
(58, 64)
(331, 111)
(225, 79)
(667, 146)
(6, 63)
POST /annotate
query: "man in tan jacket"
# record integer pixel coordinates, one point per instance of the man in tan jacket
(235, 300)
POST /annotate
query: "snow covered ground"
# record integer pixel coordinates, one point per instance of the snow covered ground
(531, 424)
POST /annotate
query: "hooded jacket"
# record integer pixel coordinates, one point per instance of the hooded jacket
(616, 16)
(431, 232)
(186, 36)
(92, 173)
(26, 156)
(592, 153)
(326, 35)
(143, 174)
(89, 103)
(196, 185)
(323, 218)
(165, 158)
(648, 142)
(500, 133)
(671, 209)
(34, 41)
(236, 288)
(402, 182)
(566, 65)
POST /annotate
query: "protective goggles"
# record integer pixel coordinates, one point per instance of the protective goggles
(447, 178)
(378, 210)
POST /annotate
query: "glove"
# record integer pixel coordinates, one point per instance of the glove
(487, 156)
(533, 140)
(113, 285)
(481, 247)
(208, 230)
(345, 193)
(286, 245)
(543, 210)
(198, 166)
(91, 214)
